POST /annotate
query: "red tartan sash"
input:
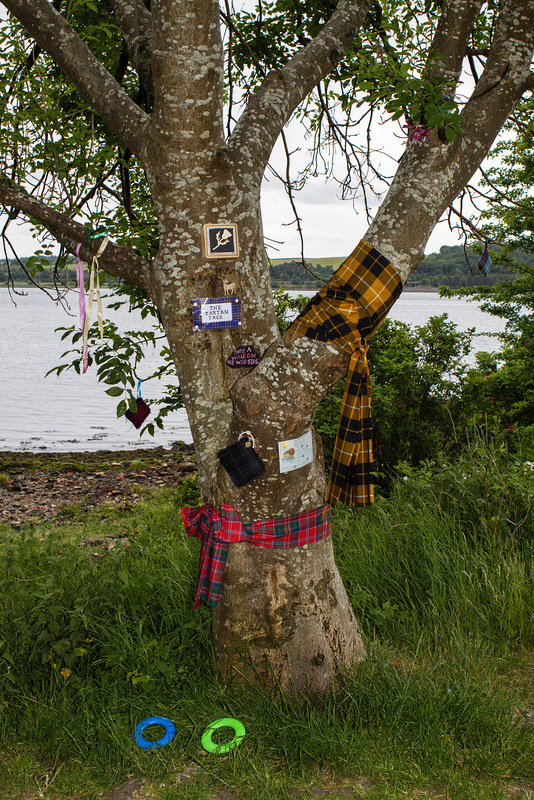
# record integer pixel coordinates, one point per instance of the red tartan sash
(218, 529)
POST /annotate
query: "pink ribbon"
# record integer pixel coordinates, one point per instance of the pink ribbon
(81, 300)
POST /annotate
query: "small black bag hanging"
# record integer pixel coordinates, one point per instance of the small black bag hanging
(241, 461)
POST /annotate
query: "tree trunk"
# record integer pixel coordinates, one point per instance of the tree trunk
(293, 620)
(284, 620)
(284, 617)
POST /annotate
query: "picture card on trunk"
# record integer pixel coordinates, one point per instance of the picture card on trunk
(295, 453)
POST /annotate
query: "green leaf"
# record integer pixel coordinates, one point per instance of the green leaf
(115, 391)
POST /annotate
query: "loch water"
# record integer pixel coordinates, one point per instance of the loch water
(72, 412)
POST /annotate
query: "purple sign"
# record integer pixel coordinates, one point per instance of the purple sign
(217, 312)
(244, 356)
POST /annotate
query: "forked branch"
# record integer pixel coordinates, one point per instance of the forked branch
(54, 35)
(269, 109)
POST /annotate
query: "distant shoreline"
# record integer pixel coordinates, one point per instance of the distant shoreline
(286, 288)
(421, 289)
(406, 289)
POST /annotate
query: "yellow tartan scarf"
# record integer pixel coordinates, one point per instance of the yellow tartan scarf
(347, 311)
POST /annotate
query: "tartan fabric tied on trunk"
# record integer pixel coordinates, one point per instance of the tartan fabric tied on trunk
(347, 311)
(416, 133)
(218, 529)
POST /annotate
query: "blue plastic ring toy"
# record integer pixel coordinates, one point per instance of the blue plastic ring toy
(226, 722)
(170, 730)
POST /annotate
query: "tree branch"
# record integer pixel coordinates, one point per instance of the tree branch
(269, 109)
(117, 260)
(135, 22)
(54, 35)
(449, 47)
(503, 81)
(465, 222)
(432, 176)
(188, 68)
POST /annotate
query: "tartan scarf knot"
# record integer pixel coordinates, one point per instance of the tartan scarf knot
(218, 529)
(347, 311)
(207, 523)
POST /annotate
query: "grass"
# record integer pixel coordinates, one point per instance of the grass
(95, 639)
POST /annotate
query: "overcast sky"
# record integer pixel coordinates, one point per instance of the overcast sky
(331, 226)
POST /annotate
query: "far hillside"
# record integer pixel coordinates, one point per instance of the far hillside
(456, 267)
(449, 267)
(293, 275)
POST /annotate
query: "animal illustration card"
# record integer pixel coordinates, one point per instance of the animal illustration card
(295, 453)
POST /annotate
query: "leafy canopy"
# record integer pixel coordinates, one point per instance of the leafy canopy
(57, 148)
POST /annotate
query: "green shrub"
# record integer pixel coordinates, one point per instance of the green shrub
(77, 612)
(415, 373)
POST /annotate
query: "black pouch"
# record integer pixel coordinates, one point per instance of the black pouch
(241, 461)
(139, 416)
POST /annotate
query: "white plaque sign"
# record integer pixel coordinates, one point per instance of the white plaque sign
(215, 312)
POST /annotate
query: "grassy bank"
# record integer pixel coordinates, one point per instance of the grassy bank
(98, 633)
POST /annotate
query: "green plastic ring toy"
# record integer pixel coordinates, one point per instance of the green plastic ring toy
(226, 722)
